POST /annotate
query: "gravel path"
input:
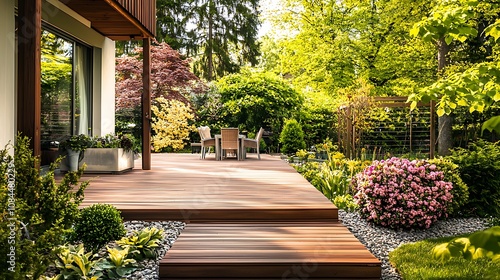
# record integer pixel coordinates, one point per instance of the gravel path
(151, 268)
(380, 241)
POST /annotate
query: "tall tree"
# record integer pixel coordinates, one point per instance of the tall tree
(331, 44)
(454, 25)
(170, 77)
(221, 35)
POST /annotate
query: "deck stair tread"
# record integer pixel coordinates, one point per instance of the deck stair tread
(223, 250)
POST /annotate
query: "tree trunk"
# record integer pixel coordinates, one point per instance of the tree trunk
(445, 135)
(210, 62)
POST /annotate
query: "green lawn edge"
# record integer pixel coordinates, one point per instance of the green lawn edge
(415, 261)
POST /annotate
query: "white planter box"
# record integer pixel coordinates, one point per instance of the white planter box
(105, 160)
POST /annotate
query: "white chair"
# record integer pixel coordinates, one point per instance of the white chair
(254, 143)
(206, 140)
(230, 141)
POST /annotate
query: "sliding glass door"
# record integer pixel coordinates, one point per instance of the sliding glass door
(66, 91)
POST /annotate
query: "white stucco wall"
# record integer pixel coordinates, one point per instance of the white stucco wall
(7, 72)
(107, 120)
(103, 118)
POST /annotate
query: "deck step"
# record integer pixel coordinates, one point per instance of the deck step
(268, 251)
(326, 214)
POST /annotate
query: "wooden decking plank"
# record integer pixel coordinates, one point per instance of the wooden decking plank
(184, 187)
(229, 250)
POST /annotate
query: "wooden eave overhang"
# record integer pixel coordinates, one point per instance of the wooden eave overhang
(113, 20)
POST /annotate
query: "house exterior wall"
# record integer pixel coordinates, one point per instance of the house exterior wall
(103, 64)
(103, 80)
(7, 73)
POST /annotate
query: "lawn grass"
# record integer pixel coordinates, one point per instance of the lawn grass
(415, 261)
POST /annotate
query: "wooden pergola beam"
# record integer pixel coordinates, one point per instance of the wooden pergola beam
(146, 105)
(29, 72)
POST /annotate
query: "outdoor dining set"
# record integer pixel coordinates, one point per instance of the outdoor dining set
(228, 142)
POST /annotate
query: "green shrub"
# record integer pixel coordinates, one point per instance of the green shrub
(460, 190)
(172, 123)
(479, 168)
(99, 224)
(43, 211)
(292, 137)
(249, 101)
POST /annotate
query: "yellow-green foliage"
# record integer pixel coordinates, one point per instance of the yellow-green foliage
(143, 243)
(415, 261)
(482, 244)
(171, 123)
(74, 263)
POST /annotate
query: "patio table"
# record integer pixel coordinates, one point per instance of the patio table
(218, 154)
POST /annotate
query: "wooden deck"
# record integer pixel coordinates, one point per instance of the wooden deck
(246, 219)
(183, 187)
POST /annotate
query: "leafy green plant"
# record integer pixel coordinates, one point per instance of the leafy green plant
(99, 224)
(292, 137)
(479, 168)
(76, 142)
(333, 182)
(336, 174)
(73, 263)
(345, 202)
(112, 141)
(333, 177)
(117, 264)
(303, 155)
(44, 211)
(415, 261)
(143, 243)
(481, 244)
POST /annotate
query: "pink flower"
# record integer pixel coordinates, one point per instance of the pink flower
(402, 193)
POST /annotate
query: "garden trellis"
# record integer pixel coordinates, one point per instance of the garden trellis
(385, 125)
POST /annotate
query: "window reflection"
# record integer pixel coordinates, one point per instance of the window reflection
(66, 96)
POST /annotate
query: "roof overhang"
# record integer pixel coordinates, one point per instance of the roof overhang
(110, 19)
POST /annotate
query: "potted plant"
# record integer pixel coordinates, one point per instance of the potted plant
(109, 154)
(73, 146)
(106, 154)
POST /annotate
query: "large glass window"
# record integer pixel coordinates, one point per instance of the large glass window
(66, 91)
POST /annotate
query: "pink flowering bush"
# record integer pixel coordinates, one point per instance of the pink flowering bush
(399, 193)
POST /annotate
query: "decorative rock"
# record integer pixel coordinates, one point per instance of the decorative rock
(150, 268)
(380, 241)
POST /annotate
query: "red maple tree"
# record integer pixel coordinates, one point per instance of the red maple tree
(170, 77)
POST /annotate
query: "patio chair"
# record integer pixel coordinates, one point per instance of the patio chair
(206, 140)
(230, 141)
(254, 143)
